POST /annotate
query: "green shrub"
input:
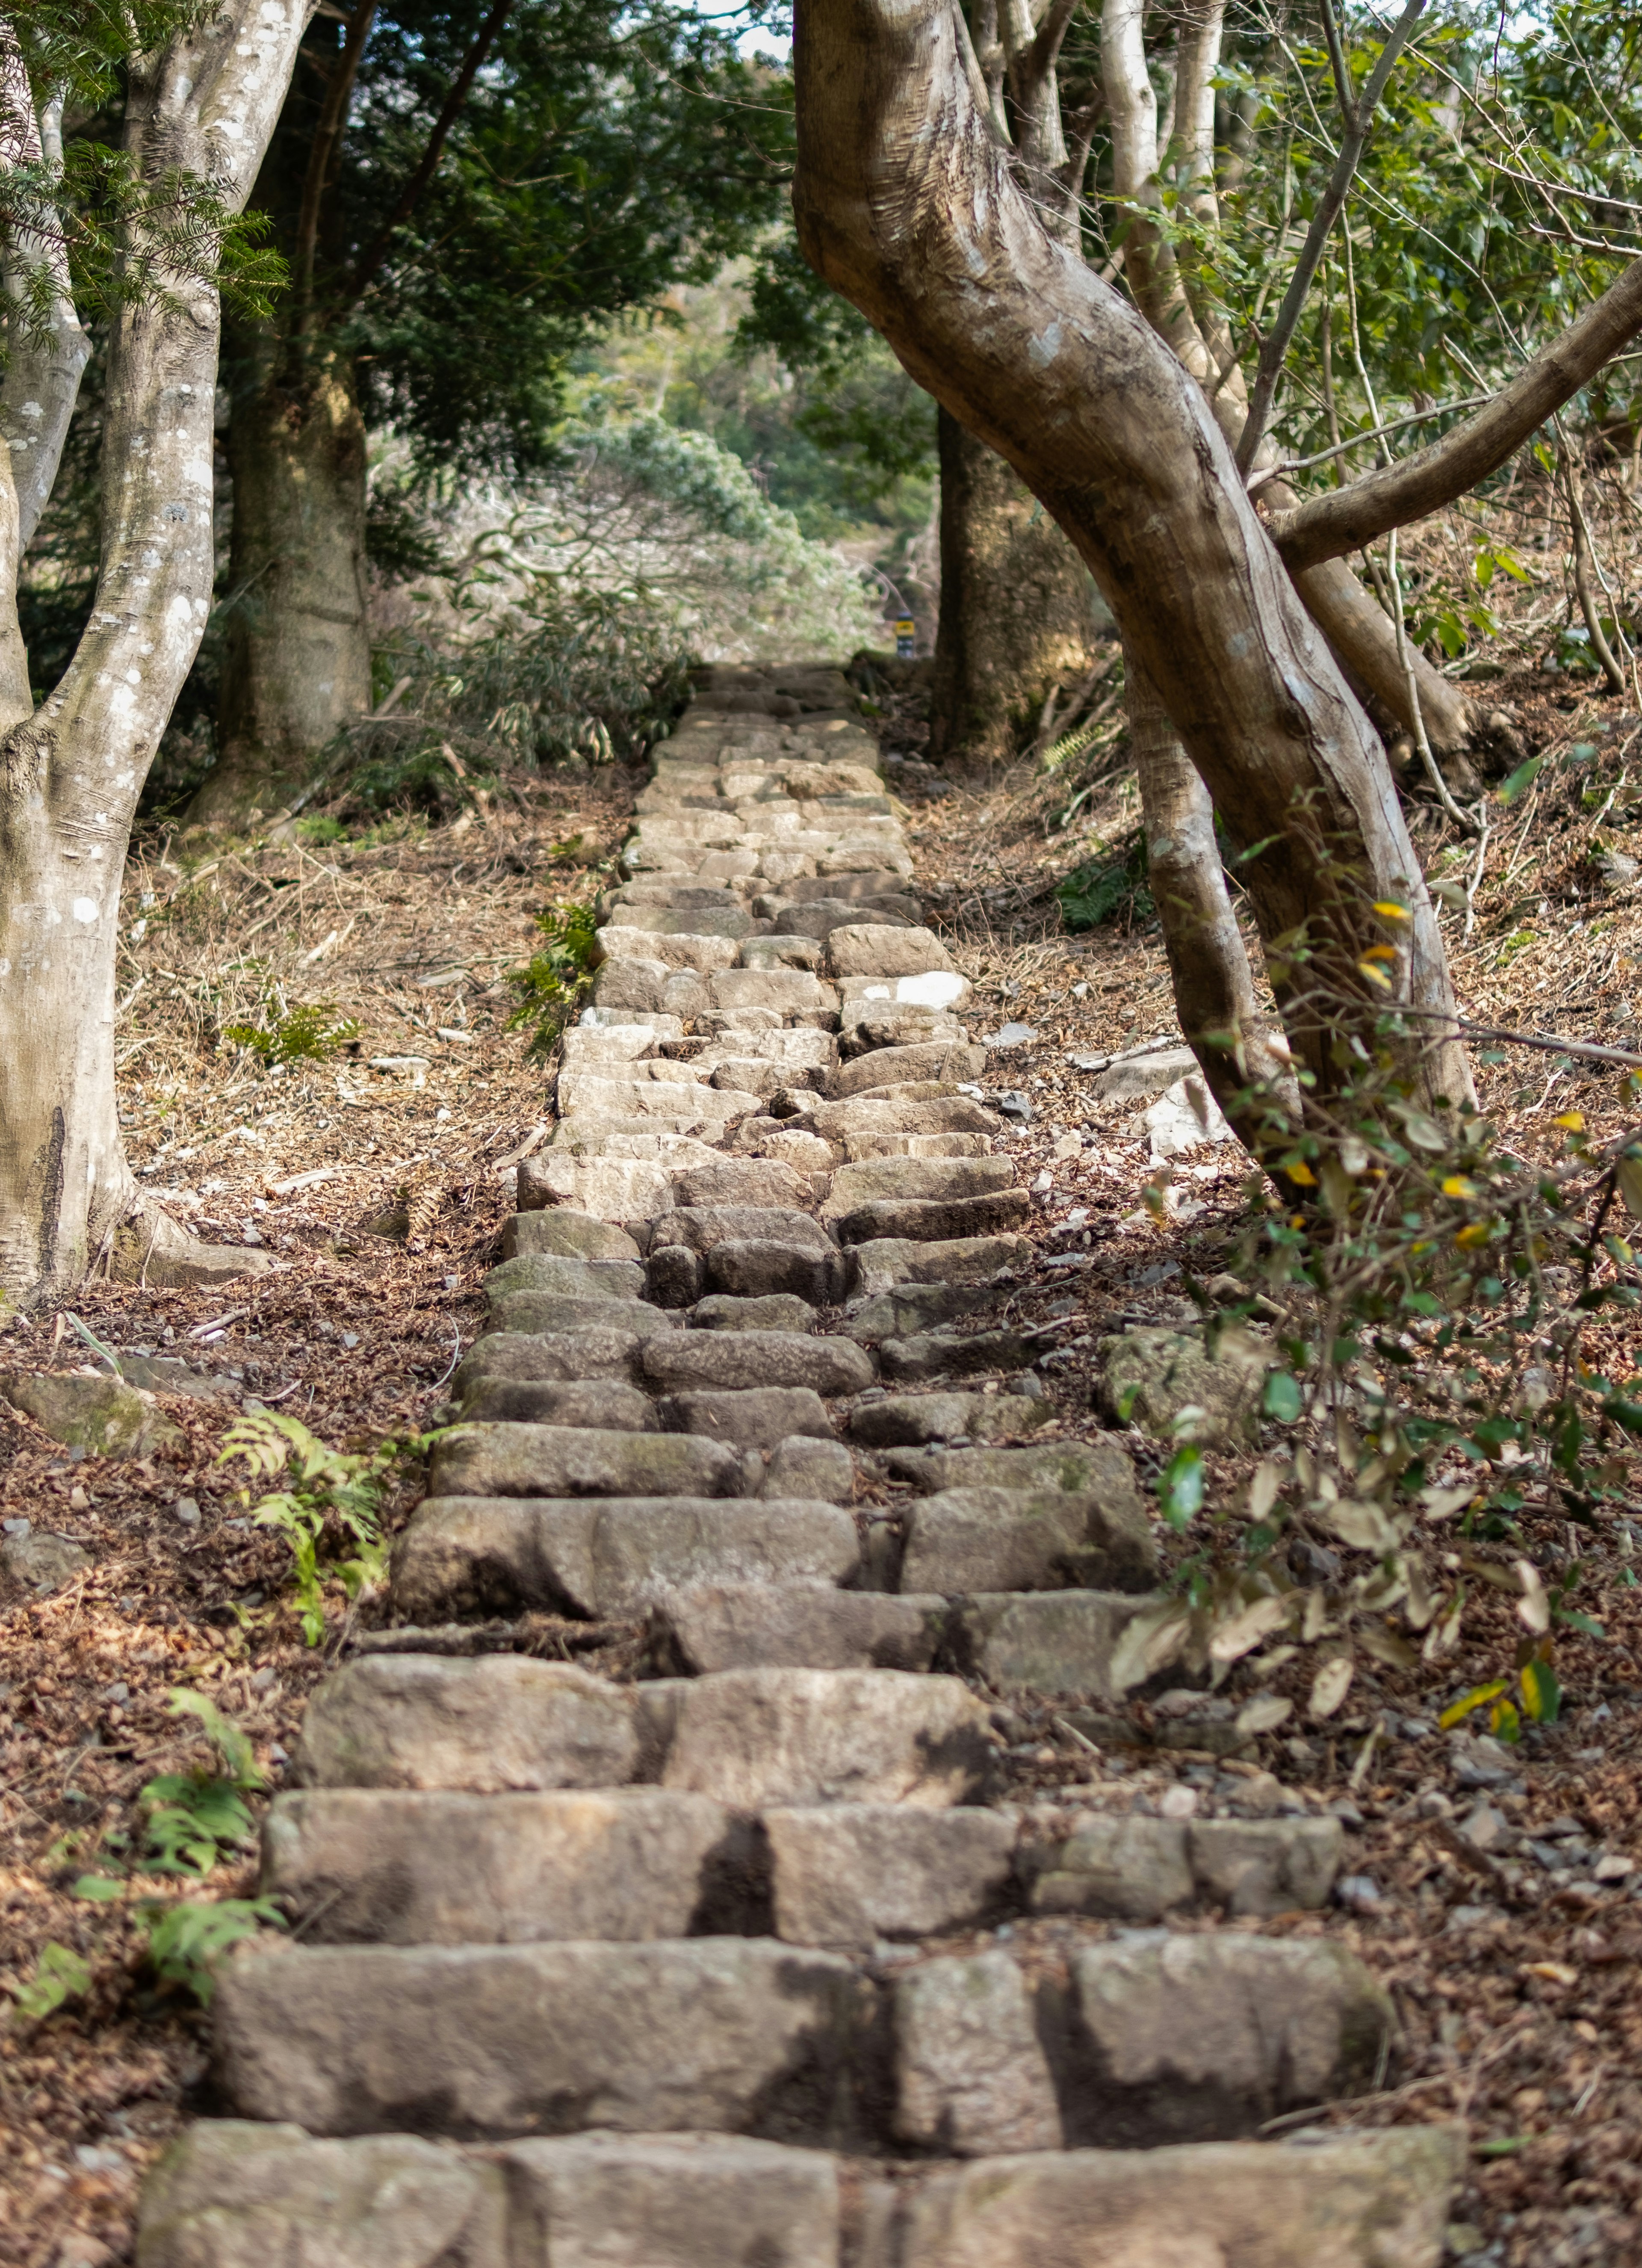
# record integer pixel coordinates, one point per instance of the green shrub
(306, 1033)
(551, 982)
(1107, 889)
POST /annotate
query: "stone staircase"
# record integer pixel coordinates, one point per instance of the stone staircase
(748, 1962)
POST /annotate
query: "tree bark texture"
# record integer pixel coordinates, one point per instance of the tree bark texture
(297, 661)
(905, 204)
(1214, 990)
(70, 774)
(1016, 612)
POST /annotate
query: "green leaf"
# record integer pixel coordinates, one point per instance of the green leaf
(59, 1974)
(1520, 780)
(102, 1889)
(187, 1940)
(1283, 1399)
(1181, 1487)
(1541, 1695)
(224, 1736)
(1504, 2146)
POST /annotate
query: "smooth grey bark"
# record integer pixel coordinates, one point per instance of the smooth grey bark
(905, 204)
(71, 773)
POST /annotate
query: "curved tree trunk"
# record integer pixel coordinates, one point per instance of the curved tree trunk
(905, 204)
(1016, 613)
(71, 774)
(297, 664)
(1214, 991)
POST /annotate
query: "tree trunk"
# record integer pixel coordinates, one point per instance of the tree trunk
(1214, 990)
(297, 661)
(71, 774)
(905, 204)
(1016, 604)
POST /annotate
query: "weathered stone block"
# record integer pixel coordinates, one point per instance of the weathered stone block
(610, 1188)
(850, 1874)
(549, 1315)
(757, 1418)
(778, 1311)
(98, 1415)
(1379, 2200)
(800, 1465)
(597, 1402)
(687, 1359)
(558, 1357)
(764, 1182)
(1265, 1865)
(232, 2193)
(564, 1278)
(930, 1220)
(613, 1557)
(752, 1737)
(928, 1355)
(715, 2035)
(671, 2201)
(759, 1268)
(906, 1420)
(672, 1272)
(875, 1179)
(966, 1540)
(1049, 1642)
(703, 1227)
(500, 1721)
(383, 1867)
(1148, 1378)
(1123, 1866)
(571, 1234)
(799, 1626)
(871, 949)
(567, 1460)
(887, 1262)
(1206, 2037)
(971, 2075)
(935, 1059)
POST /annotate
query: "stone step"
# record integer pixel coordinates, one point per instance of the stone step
(906, 1420)
(368, 1866)
(712, 1626)
(885, 1263)
(564, 1278)
(610, 1350)
(754, 1418)
(937, 1059)
(598, 1403)
(876, 1179)
(612, 1558)
(744, 1268)
(935, 1220)
(775, 1311)
(571, 1235)
(679, 1361)
(574, 1461)
(536, 1314)
(1056, 1643)
(717, 2034)
(231, 2192)
(985, 1539)
(930, 1355)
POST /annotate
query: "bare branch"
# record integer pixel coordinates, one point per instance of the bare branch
(1328, 526)
(1359, 121)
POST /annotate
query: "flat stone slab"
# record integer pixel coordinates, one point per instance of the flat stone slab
(1375, 2201)
(754, 1417)
(776, 1311)
(873, 949)
(702, 1227)
(716, 2035)
(491, 1724)
(1117, 1548)
(850, 1874)
(753, 1737)
(885, 1261)
(907, 1420)
(571, 1234)
(537, 1314)
(971, 2072)
(966, 1540)
(911, 1310)
(382, 1866)
(928, 1354)
(1205, 2037)
(98, 1415)
(570, 1460)
(672, 2201)
(951, 1113)
(612, 1558)
(561, 1357)
(610, 1188)
(235, 2193)
(923, 1060)
(799, 1626)
(1132, 1868)
(877, 1179)
(616, 1280)
(690, 1359)
(756, 1268)
(936, 1220)
(762, 1182)
(1050, 1642)
(600, 1403)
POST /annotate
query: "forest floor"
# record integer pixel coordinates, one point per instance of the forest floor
(378, 1179)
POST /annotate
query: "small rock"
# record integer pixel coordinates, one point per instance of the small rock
(45, 1563)
(1178, 1802)
(99, 1416)
(187, 1511)
(1358, 1894)
(1484, 1829)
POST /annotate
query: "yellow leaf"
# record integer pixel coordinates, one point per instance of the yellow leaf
(1573, 1120)
(1378, 975)
(1457, 1185)
(1381, 952)
(1478, 1695)
(1301, 1172)
(1475, 1232)
(1538, 1691)
(1388, 910)
(1554, 1973)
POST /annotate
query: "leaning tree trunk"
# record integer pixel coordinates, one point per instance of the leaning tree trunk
(71, 774)
(906, 205)
(1015, 604)
(297, 658)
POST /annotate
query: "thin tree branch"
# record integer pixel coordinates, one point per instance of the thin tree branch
(1329, 524)
(1359, 121)
(327, 134)
(376, 252)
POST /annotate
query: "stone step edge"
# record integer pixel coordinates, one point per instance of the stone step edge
(1357, 2200)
